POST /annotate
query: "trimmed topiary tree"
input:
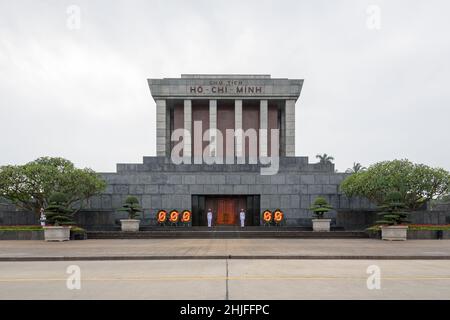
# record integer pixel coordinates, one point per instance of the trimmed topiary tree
(320, 207)
(132, 207)
(393, 211)
(57, 212)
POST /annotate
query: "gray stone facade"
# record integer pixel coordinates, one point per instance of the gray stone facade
(159, 184)
(225, 87)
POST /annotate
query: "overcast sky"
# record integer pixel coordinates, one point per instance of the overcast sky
(81, 93)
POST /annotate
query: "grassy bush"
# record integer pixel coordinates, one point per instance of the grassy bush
(77, 230)
(77, 233)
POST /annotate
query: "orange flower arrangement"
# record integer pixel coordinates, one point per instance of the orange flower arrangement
(267, 216)
(278, 216)
(161, 216)
(186, 216)
(174, 216)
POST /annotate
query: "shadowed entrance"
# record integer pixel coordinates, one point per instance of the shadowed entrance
(225, 209)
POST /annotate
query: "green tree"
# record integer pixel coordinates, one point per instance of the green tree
(29, 186)
(393, 210)
(416, 183)
(324, 158)
(357, 167)
(442, 199)
(445, 198)
(57, 211)
(131, 206)
(320, 207)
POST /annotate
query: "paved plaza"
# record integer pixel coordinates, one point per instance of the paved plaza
(226, 248)
(225, 269)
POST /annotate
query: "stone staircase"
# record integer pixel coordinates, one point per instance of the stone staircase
(225, 233)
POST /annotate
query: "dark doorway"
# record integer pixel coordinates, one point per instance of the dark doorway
(225, 209)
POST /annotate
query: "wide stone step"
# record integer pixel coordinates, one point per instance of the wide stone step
(218, 228)
(224, 228)
(222, 234)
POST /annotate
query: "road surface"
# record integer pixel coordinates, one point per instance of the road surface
(226, 279)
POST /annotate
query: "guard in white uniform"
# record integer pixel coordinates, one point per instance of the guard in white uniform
(209, 216)
(42, 218)
(242, 217)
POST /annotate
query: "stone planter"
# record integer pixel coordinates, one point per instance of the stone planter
(56, 233)
(394, 233)
(321, 224)
(130, 225)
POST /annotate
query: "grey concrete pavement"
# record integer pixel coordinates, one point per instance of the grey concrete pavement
(225, 248)
(222, 279)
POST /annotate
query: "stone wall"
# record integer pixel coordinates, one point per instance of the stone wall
(11, 216)
(359, 220)
(22, 235)
(159, 184)
(441, 207)
(109, 219)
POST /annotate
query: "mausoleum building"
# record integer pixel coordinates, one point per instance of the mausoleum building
(225, 142)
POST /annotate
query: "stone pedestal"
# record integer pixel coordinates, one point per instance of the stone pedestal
(59, 233)
(130, 225)
(394, 233)
(321, 224)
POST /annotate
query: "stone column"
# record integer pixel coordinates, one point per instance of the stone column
(238, 128)
(161, 128)
(188, 126)
(290, 128)
(263, 125)
(213, 127)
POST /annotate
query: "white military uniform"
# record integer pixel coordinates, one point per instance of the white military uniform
(42, 218)
(209, 216)
(242, 217)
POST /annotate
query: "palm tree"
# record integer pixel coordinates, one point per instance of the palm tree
(357, 167)
(324, 158)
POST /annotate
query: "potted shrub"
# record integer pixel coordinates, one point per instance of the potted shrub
(394, 218)
(58, 218)
(319, 208)
(77, 233)
(131, 206)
